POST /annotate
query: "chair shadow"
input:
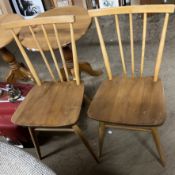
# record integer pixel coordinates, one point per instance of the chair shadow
(145, 144)
(73, 142)
(82, 122)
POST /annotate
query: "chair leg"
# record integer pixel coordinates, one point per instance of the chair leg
(80, 134)
(35, 141)
(156, 138)
(101, 137)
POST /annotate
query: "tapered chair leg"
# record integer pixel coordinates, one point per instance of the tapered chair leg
(80, 134)
(101, 137)
(156, 138)
(35, 141)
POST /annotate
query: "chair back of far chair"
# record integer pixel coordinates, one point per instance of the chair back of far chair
(45, 24)
(130, 11)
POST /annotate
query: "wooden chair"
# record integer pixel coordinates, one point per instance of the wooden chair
(130, 102)
(54, 105)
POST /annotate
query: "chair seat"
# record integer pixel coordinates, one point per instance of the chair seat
(50, 105)
(129, 101)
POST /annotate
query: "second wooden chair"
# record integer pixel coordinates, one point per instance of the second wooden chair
(136, 102)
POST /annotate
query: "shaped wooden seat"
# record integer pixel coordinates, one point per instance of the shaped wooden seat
(129, 101)
(51, 105)
(132, 102)
(54, 105)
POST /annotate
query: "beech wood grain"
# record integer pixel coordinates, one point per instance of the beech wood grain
(129, 101)
(50, 105)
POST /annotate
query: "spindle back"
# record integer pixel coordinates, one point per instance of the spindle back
(130, 11)
(43, 25)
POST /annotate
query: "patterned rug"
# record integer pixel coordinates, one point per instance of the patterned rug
(14, 161)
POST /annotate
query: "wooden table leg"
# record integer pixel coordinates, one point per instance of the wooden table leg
(84, 66)
(17, 71)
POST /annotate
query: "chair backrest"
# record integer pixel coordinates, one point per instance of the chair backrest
(130, 10)
(45, 24)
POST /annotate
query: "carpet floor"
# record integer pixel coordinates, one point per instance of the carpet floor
(124, 152)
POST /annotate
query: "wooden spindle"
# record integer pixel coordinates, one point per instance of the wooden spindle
(161, 47)
(42, 53)
(61, 52)
(132, 44)
(75, 58)
(103, 49)
(52, 53)
(26, 58)
(120, 44)
(143, 43)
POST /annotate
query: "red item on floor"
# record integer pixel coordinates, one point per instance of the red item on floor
(7, 128)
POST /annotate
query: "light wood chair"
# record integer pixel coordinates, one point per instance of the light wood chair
(130, 102)
(53, 105)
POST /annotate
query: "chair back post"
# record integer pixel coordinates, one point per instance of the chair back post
(103, 49)
(143, 43)
(61, 52)
(161, 47)
(52, 52)
(42, 53)
(131, 44)
(130, 10)
(27, 59)
(120, 44)
(75, 58)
